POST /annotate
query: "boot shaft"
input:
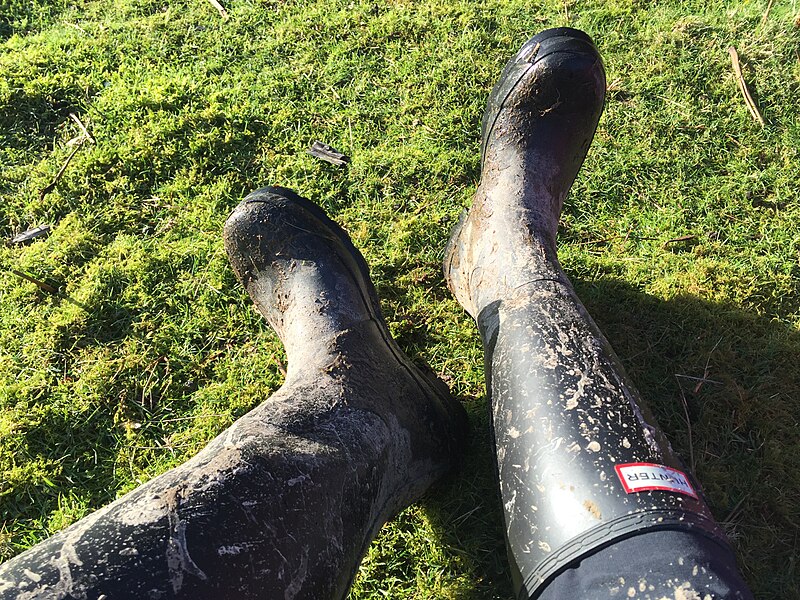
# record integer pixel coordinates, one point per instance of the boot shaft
(581, 461)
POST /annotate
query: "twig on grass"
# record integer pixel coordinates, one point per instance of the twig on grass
(152, 368)
(82, 127)
(281, 368)
(466, 515)
(191, 417)
(700, 381)
(76, 27)
(79, 142)
(52, 185)
(167, 446)
(220, 9)
(748, 99)
(612, 238)
(734, 512)
(683, 238)
(45, 287)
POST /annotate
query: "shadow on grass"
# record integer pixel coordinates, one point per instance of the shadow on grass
(86, 460)
(30, 120)
(742, 433)
(465, 510)
(23, 17)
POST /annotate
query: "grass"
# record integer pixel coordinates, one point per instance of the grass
(159, 349)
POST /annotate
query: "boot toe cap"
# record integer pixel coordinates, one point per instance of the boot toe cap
(558, 71)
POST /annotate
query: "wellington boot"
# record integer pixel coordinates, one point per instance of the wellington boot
(581, 463)
(283, 503)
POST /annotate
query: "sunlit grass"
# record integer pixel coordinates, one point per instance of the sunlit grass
(152, 348)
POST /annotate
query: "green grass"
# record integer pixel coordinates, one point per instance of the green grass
(158, 349)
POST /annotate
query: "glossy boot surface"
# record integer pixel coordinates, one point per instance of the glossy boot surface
(581, 461)
(284, 503)
(538, 125)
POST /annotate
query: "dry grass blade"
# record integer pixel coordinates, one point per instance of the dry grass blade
(220, 9)
(692, 464)
(82, 127)
(766, 12)
(748, 99)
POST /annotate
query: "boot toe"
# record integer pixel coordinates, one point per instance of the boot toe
(557, 71)
(275, 223)
(288, 253)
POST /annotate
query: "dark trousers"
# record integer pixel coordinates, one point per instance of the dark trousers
(658, 565)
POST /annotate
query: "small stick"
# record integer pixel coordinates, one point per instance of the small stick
(220, 9)
(152, 367)
(86, 134)
(748, 99)
(42, 285)
(766, 12)
(625, 237)
(281, 368)
(176, 419)
(46, 287)
(683, 238)
(52, 185)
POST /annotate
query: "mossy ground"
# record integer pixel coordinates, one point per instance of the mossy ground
(151, 349)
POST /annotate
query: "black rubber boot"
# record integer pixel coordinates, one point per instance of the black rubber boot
(284, 503)
(580, 460)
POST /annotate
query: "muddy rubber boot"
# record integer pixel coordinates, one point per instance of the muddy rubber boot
(582, 465)
(284, 503)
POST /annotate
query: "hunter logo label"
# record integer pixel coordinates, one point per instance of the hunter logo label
(643, 477)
